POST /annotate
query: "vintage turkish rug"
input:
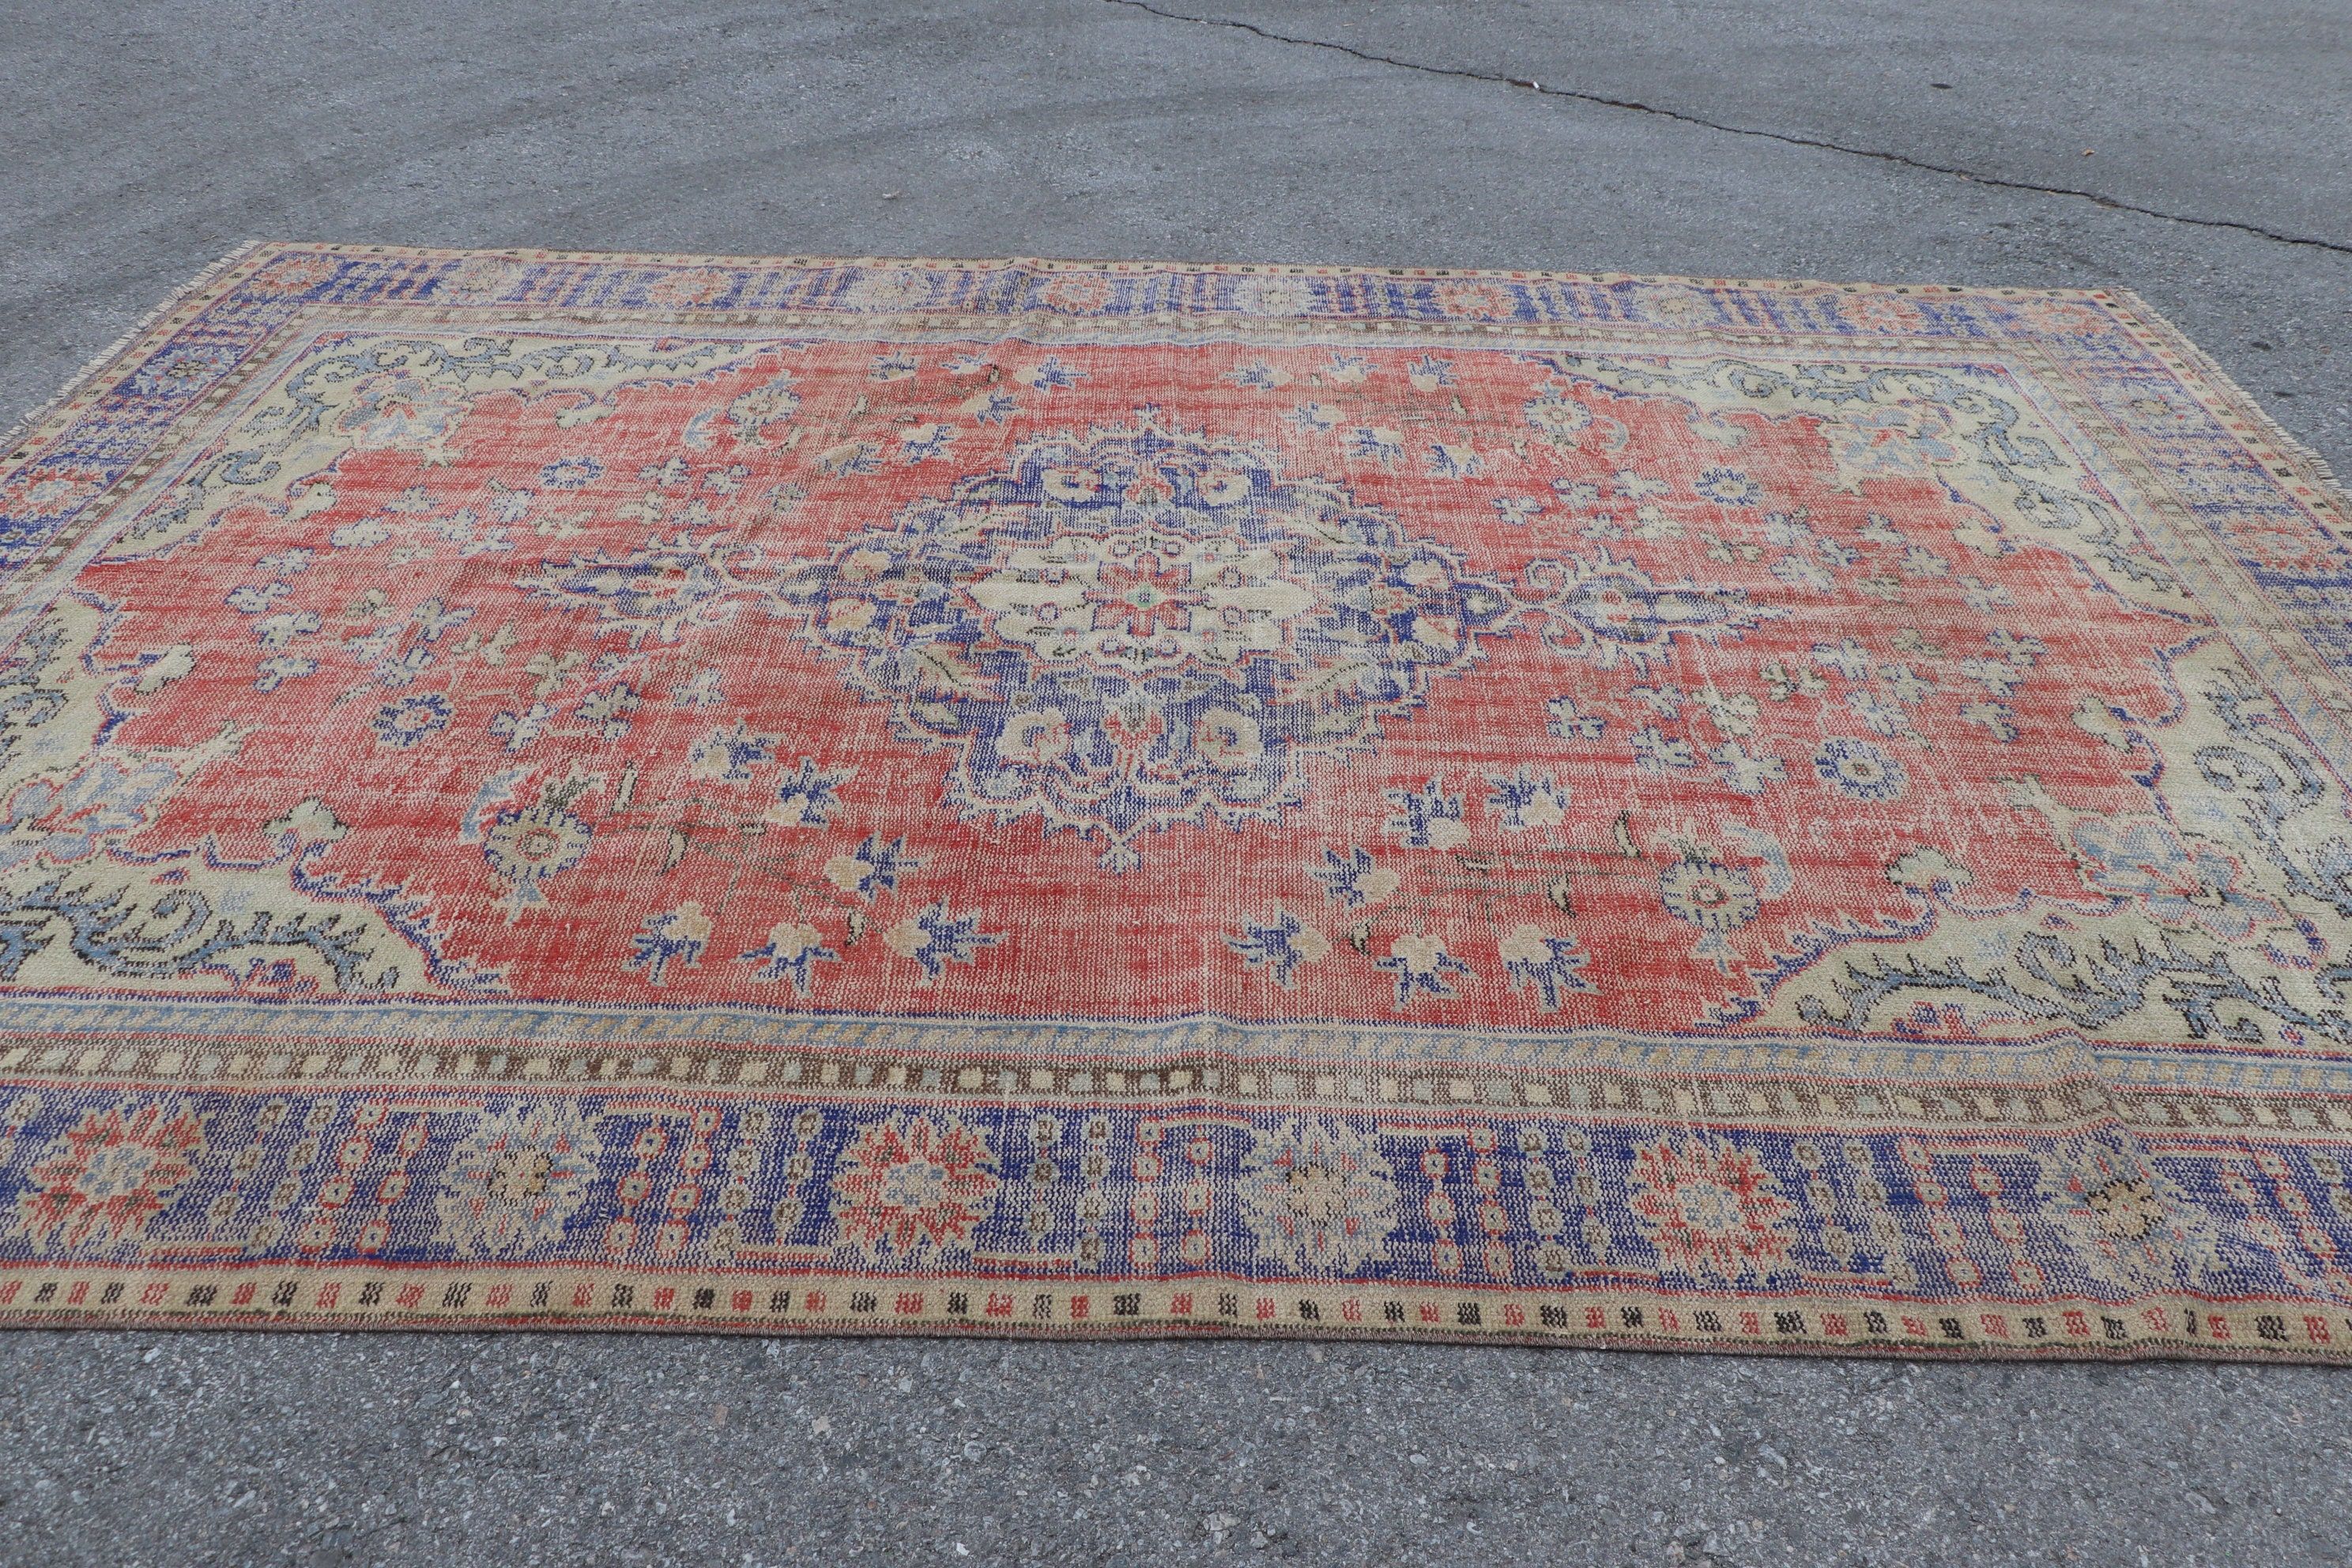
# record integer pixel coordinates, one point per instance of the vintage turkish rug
(1040, 797)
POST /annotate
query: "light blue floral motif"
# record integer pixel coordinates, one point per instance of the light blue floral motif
(1859, 770)
(1548, 965)
(807, 796)
(791, 951)
(874, 867)
(1375, 444)
(1139, 627)
(675, 936)
(1729, 487)
(2182, 882)
(1425, 818)
(1718, 899)
(1517, 510)
(1611, 611)
(936, 938)
(65, 823)
(1278, 945)
(1419, 965)
(571, 473)
(411, 719)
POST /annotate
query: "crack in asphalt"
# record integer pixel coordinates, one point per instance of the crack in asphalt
(1785, 138)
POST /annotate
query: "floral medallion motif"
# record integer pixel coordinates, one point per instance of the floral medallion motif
(912, 1184)
(524, 846)
(1143, 627)
(516, 1179)
(1319, 1198)
(2125, 1223)
(115, 1171)
(1711, 1208)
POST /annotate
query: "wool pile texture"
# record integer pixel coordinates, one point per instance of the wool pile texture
(809, 795)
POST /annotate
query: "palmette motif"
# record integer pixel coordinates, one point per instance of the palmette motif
(780, 794)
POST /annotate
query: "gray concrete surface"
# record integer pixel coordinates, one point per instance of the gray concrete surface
(1795, 139)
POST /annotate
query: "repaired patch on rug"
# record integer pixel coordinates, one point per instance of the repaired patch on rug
(1043, 797)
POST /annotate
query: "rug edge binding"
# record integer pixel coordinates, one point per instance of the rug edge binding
(2169, 1354)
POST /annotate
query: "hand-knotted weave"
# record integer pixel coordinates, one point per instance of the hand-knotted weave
(1046, 797)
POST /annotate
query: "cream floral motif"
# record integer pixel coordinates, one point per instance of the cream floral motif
(2164, 928)
(363, 392)
(516, 1179)
(1318, 1196)
(1972, 428)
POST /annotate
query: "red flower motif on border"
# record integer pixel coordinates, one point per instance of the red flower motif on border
(910, 1182)
(1710, 1207)
(112, 1176)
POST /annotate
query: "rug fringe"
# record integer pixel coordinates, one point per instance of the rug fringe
(15, 445)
